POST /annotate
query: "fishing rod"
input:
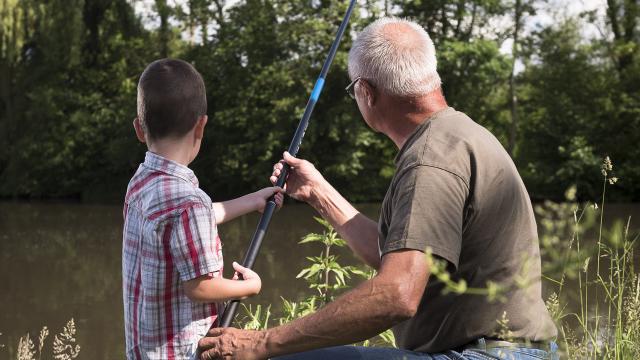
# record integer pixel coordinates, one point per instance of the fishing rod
(263, 225)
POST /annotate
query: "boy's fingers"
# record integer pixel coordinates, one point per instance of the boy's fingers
(242, 270)
(237, 267)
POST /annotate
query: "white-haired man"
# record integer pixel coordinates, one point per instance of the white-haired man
(455, 192)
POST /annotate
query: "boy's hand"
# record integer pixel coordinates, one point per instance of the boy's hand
(261, 197)
(249, 277)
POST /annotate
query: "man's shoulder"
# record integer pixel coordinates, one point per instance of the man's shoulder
(449, 141)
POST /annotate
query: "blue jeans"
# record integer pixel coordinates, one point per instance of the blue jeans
(476, 353)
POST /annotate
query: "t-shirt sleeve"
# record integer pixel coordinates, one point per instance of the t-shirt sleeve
(428, 211)
(195, 243)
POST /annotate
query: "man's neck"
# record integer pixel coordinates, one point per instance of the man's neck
(404, 116)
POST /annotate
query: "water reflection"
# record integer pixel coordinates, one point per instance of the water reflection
(59, 261)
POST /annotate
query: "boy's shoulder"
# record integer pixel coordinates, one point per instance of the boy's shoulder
(159, 194)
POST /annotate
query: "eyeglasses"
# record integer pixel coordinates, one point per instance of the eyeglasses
(350, 89)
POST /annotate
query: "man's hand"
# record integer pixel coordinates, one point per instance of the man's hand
(231, 343)
(302, 179)
(261, 197)
(390, 297)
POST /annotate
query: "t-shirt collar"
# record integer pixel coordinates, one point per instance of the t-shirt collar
(418, 130)
(156, 162)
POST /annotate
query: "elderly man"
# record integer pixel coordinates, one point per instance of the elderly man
(456, 192)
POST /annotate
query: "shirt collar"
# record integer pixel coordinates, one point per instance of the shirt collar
(159, 163)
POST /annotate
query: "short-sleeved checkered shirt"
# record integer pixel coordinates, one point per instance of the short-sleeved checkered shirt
(169, 237)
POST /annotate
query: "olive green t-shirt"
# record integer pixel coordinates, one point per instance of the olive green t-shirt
(457, 192)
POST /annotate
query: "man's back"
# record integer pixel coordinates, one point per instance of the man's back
(457, 191)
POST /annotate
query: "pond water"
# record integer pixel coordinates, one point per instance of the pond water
(62, 261)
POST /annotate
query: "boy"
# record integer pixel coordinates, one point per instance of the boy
(171, 258)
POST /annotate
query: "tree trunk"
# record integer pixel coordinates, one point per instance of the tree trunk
(93, 14)
(163, 11)
(513, 97)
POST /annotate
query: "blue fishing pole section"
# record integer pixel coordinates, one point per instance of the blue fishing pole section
(315, 95)
(269, 209)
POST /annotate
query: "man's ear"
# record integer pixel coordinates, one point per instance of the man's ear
(369, 92)
(139, 130)
(199, 128)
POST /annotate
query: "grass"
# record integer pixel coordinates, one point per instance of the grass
(595, 297)
(64, 345)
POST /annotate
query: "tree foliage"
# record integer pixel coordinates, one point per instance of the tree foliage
(69, 69)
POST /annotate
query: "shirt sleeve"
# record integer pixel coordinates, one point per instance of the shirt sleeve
(428, 211)
(195, 244)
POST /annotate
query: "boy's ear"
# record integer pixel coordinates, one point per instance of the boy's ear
(139, 130)
(199, 128)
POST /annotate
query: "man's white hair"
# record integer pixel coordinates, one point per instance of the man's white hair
(396, 56)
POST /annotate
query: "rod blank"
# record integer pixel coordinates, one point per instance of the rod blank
(263, 225)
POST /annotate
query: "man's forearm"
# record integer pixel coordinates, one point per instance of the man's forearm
(360, 232)
(360, 314)
(392, 296)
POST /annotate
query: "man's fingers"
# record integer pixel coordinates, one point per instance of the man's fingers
(210, 355)
(212, 333)
(290, 159)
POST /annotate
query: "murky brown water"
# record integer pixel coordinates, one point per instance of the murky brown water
(59, 261)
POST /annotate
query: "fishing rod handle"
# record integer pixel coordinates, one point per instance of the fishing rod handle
(250, 257)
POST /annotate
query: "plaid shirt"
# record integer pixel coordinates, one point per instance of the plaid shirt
(169, 237)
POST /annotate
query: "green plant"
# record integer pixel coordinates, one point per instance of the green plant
(257, 319)
(606, 323)
(326, 276)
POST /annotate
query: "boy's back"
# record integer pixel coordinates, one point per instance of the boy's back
(169, 237)
(171, 252)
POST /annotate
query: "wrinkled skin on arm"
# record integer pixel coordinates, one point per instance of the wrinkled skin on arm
(305, 183)
(389, 298)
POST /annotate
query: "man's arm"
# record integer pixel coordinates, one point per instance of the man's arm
(305, 183)
(377, 304)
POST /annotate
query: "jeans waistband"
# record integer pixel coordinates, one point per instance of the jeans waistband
(486, 344)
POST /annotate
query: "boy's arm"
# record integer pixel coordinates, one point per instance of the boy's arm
(205, 289)
(229, 210)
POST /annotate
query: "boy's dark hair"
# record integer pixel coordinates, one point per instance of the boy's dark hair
(171, 98)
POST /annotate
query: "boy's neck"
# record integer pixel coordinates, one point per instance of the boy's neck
(174, 150)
